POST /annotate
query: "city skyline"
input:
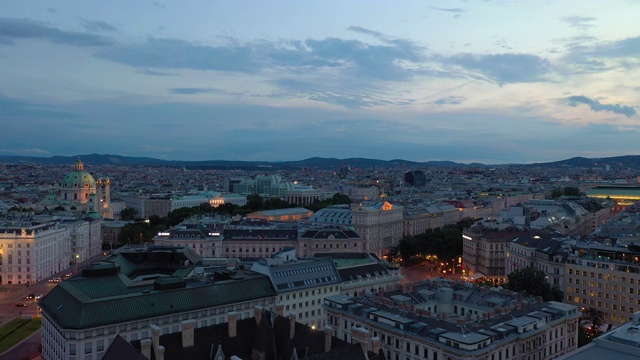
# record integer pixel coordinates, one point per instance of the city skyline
(493, 82)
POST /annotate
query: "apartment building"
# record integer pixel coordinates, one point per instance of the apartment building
(363, 274)
(328, 240)
(483, 252)
(302, 286)
(445, 323)
(620, 343)
(606, 278)
(379, 223)
(545, 254)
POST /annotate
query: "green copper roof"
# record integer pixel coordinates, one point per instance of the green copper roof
(106, 292)
(78, 179)
(82, 303)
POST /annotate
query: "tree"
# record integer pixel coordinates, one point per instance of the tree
(275, 203)
(339, 199)
(128, 213)
(226, 208)
(533, 282)
(205, 207)
(556, 193)
(571, 191)
(407, 247)
(177, 216)
(254, 202)
(138, 232)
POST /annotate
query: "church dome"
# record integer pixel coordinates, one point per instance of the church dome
(78, 178)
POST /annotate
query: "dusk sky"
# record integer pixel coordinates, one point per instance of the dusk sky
(468, 81)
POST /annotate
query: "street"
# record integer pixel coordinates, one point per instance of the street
(426, 270)
(10, 295)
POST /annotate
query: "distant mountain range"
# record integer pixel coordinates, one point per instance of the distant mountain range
(316, 162)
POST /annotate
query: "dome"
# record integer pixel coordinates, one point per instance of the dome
(78, 179)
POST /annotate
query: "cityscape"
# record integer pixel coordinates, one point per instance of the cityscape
(432, 262)
(319, 180)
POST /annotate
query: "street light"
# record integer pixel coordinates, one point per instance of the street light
(76, 257)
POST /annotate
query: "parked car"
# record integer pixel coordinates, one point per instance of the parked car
(21, 305)
(55, 280)
(37, 296)
(31, 296)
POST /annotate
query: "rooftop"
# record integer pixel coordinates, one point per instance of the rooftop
(146, 282)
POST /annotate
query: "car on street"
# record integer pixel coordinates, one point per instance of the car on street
(55, 280)
(31, 296)
(21, 305)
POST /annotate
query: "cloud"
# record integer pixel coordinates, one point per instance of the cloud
(580, 22)
(451, 100)
(180, 54)
(346, 95)
(597, 106)
(381, 62)
(12, 29)
(192, 91)
(52, 10)
(603, 56)
(450, 10)
(96, 26)
(26, 152)
(15, 111)
(625, 48)
(155, 73)
(158, 4)
(505, 68)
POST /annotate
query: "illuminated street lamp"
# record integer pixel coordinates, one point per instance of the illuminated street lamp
(75, 258)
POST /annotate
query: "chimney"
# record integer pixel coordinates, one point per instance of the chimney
(361, 336)
(376, 345)
(145, 348)
(160, 353)
(292, 326)
(187, 333)
(328, 331)
(258, 314)
(232, 323)
(155, 338)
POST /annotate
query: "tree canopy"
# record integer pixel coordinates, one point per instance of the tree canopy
(567, 191)
(128, 213)
(533, 282)
(446, 243)
(336, 199)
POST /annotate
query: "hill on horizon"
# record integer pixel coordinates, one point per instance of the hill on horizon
(314, 162)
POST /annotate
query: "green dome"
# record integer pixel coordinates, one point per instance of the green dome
(78, 178)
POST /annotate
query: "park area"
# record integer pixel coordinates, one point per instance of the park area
(17, 330)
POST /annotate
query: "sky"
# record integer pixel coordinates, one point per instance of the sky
(489, 81)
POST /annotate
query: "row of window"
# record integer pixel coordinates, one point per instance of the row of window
(605, 276)
(301, 271)
(10, 246)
